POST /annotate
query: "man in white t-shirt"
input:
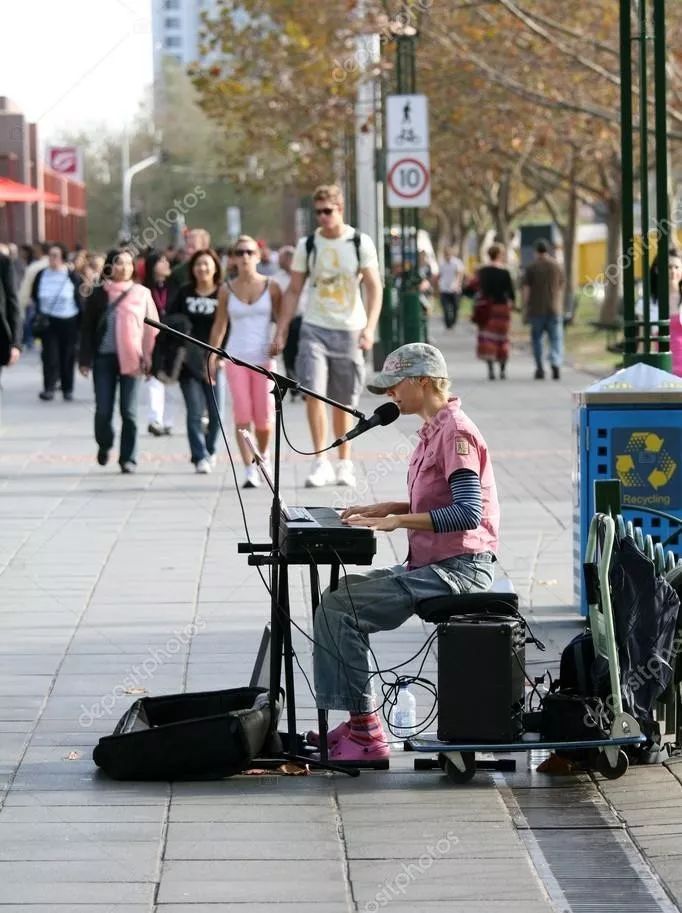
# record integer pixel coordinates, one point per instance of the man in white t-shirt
(337, 328)
(450, 277)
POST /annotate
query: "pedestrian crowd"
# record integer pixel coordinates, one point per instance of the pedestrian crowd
(316, 305)
(88, 312)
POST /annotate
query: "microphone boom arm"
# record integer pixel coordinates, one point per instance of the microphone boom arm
(283, 382)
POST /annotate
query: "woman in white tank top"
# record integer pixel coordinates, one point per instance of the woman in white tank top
(248, 305)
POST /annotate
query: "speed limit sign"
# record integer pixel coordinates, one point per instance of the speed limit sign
(408, 179)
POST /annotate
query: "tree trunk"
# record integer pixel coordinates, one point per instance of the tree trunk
(569, 237)
(610, 309)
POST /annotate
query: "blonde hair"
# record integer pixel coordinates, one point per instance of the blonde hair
(248, 239)
(203, 237)
(331, 192)
(438, 384)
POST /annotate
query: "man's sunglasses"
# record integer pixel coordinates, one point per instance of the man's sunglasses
(245, 252)
(327, 211)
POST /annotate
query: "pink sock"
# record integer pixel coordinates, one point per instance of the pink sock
(365, 727)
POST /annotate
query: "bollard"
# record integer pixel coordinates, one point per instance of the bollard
(388, 331)
(413, 325)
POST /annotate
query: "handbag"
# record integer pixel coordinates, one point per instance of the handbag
(40, 324)
(567, 717)
(41, 321)
(481, 313)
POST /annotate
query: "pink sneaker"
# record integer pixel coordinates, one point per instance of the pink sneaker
(347, 749)
(333, 736)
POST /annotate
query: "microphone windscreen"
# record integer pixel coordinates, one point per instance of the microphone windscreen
(387, 413)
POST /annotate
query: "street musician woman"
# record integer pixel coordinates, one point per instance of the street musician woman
(452, 520)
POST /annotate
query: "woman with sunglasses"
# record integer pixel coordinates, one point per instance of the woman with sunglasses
(248, 305)
(198, 301)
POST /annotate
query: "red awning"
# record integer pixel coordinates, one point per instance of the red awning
(14, 192)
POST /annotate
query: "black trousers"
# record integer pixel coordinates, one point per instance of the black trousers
(450, 304)
(291, 347)
(59, 353)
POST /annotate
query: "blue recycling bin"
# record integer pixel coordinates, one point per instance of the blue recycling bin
(629, 427)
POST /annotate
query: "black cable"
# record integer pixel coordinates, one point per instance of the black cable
(268, 586)
(395, 687)
(284, 429)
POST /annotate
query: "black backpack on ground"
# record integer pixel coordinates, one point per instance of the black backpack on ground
(209, 734)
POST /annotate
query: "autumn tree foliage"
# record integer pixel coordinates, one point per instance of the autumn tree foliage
(524, 100)
(275, 76)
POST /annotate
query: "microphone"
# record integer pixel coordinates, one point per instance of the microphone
(383, 415)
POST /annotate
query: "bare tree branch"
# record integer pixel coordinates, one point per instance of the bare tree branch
(531, 24)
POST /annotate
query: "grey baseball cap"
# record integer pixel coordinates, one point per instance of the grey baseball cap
(416, 359)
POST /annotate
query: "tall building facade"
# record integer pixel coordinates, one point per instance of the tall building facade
(175, 29)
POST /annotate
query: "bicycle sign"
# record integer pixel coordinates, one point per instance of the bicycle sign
(409, 180)
(407, 123)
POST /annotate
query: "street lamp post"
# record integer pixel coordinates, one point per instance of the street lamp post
(412, 328)
(401, 319)
(645, 340)
(129, 172)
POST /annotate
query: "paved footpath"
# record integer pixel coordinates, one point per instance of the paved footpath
(112, 586)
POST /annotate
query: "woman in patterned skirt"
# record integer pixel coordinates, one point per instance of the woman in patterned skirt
(492, 311)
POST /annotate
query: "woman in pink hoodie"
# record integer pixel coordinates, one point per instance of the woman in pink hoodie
(117, 345)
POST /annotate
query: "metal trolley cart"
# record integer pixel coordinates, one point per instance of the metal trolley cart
(458, 759)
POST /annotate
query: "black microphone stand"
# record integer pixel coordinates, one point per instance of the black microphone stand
(281, 632)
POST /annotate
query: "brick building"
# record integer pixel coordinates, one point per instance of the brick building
(50, 206)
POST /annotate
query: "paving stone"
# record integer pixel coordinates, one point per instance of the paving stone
(88, 894)
(262, 891)
(275, 907)
(251, 813)
(76, 907)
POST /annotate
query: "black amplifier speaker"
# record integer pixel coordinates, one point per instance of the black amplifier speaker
(481, 685)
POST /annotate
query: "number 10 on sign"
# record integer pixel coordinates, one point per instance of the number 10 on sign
(408, 180)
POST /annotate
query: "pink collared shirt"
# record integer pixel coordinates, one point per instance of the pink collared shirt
(450, 441)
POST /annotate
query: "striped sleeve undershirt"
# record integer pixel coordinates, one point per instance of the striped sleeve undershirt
(466, 509)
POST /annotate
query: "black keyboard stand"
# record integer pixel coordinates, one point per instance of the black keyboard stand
(281, 649)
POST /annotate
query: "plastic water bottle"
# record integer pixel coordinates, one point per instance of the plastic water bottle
(404, 714)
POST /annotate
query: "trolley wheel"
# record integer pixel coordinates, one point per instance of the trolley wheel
(455, 774)
(612, 773)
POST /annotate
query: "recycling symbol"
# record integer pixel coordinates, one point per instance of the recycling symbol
(645, 461)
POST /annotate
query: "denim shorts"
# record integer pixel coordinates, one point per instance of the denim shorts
(329, 362)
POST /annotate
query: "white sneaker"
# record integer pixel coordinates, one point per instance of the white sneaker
(203, 467)
(345, 473)
(251, 477)
(213, 460)
(321, 474)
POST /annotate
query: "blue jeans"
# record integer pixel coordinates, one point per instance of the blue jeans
(199, 398)
(378, 600)
(106, 376)
(554, 327)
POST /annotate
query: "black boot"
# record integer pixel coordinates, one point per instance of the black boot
(491, 370)
(503, 370)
